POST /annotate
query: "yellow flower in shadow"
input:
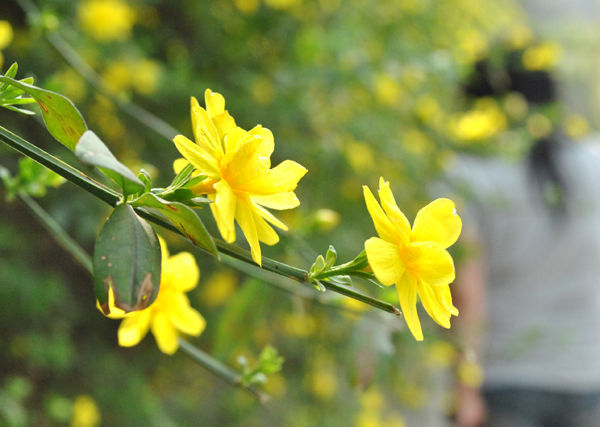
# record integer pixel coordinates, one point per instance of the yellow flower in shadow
(106, 20)
(415, 260)
(170, 314)
(241, 182)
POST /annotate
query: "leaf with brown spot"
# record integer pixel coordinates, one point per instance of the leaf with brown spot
(64, 122)
(126, 259)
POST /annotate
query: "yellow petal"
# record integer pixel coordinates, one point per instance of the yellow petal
(432, 305)
(245, 219)
(392, 210)
(114, 312)
(181, 272)
(382, 223)
(185, 318)
(430, 262)
(267, 142)
(437, 222)
(179, 165)
(445, 298)
(384, 259)
(282, 178)
(224, 124)
(244, 164)
(407, 295)
(205, 131)
(164, 333)
(265, 232)
(279, 201)
(197, 156)
(268, 216)
(215, 103)
(224, 205)
(134, 327)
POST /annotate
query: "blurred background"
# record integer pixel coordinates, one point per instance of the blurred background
(352, 92)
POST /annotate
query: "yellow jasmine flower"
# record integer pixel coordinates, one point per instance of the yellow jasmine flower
(415, 260)
(240, 181)
(171, 312)
(6, 34)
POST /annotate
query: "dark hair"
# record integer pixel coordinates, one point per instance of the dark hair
(537, 87)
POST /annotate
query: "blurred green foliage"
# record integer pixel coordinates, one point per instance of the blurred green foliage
(351, 91)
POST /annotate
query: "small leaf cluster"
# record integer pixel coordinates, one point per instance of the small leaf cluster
(32, 179)
(10, 95)
(269, 362)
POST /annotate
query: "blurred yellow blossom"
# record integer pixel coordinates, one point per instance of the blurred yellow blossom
(415, 260)
(146, 75)
(427, 108)
(519, 36)
(247, 6)
(85, 412)
(282, 4)
(387, 90)
(470, 374)
(326, 219)
(106, 20)
(576, 126)
(170, 314)
(416, 141)
(360, 155)
(219, 287)
(299, 325)
(543, 56)
(482, 122)
(539, 126)
(441, 353)
(372, 399)
(6, 34)
(262, 90)
(118, 75)
(240, 181)
(323, 382)
(516, 106)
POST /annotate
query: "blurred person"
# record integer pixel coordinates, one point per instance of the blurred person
(529, 294)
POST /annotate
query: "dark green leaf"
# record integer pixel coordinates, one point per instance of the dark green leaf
(63, 120)
(182, 217)
(126, 259)
(91, 150)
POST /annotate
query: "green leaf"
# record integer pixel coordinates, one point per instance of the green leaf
(330, 257)
(126, 259)
(91, 150)
(318, 265)
(182, 217)
(62, 119)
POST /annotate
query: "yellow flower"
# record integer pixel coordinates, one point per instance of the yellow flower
(6, 34)
(171, 312)
(240, 180)
(106, 20)
(85, 412)
(415, 260)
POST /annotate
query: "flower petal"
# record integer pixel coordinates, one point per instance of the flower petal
(268, 216)
(407, 295)
(430, 262)
(267, 142)
(392, 210)
(164, 333)
(205, 131)
(437, 222)
(384, 259)
(244, 217)
(134, 327)
(224, 209)
(197, 156)
(179, 165)
(265, 232)
(279, 201)
(282, 178)
(215, 103)
(432, 305)
(185, 318)
(382, 223)
(181, 272)
(445, 298)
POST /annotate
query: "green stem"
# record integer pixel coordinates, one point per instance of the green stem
(221, 370)
(64, 169)
(58, 233)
